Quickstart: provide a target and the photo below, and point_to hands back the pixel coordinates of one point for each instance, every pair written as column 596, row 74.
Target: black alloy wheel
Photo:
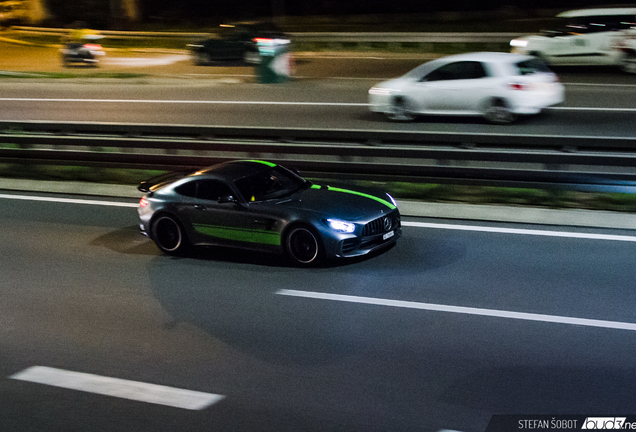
column 303, row 246
column 168, row 235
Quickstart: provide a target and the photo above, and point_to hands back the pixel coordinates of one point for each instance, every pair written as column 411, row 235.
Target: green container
column 275, row 61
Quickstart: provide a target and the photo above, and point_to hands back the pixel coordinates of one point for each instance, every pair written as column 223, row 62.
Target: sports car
column 264, row 206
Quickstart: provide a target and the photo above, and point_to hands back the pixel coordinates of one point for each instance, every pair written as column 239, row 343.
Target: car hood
column 393, row 84
column 341, row 203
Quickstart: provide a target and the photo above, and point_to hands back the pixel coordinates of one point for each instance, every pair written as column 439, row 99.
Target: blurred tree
column 37, row 12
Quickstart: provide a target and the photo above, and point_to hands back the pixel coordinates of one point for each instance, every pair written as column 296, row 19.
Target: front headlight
column 341, row 226
column 379, row 91
column 519, row 43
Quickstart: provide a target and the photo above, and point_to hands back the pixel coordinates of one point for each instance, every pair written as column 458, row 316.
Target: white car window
column 456, row 71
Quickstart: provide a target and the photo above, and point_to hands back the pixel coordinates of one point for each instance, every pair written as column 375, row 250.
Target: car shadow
column 444, row 120
column 130, row 241
column 126, row 240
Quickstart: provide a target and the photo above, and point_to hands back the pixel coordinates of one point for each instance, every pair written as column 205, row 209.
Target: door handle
column 199, row 207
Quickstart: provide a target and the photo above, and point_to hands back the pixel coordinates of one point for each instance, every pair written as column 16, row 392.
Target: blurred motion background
column 414, row 15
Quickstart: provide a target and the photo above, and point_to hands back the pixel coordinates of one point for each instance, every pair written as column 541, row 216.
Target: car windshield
column 531, row 66
column 272, row 183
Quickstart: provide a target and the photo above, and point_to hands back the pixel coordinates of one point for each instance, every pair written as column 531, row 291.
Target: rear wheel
column 498, row 112
column 200, row 58
column 303, row 246
column 628, row 63
column 399, row 110
column 252, row 57
column 168, row 235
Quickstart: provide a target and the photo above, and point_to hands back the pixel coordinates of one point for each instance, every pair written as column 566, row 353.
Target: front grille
column 382, row 224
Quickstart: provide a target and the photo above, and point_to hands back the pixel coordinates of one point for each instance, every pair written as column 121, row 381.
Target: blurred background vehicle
column 235, row 42
column 12, row 12
column 597, row 37
column 497, row 86
column 81, row 47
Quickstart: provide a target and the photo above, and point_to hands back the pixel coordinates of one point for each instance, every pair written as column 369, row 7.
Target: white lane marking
column 598, row 85
column 545, row 233
column 133, row 390
column 592, row 109
column 476, row 228
column 69, row 200
column 235, row 102
column 617, row 325
column 204, row 102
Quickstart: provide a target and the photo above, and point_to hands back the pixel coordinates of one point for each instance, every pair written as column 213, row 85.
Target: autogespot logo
column 605, row 423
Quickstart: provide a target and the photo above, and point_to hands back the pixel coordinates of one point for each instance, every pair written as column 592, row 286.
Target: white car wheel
column 498, row 112
column 399, row 110
column 628, row 63
column 252, row 57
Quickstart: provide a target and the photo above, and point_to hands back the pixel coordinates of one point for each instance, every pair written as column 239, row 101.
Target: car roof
column 482, row 56
column 597, row 12
column 493, row 57
column 234, row 170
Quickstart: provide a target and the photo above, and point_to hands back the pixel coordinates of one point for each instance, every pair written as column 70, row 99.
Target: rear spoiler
column 146, row 185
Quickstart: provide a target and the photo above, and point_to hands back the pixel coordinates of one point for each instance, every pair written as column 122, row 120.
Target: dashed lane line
column 616, row 325
column 125, row 389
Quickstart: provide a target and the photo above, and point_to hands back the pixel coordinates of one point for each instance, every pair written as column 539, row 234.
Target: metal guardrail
column 579, row 163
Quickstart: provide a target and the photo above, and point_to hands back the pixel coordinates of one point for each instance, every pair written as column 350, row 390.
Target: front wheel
column 168, row 235
column 498, row 112
column 303, row 246
column 399, row 110
column 200, row 58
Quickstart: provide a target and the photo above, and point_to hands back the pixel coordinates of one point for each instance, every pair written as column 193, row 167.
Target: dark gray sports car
column 264, row 206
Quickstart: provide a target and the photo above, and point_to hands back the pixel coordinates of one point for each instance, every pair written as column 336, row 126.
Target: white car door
column 453, row 88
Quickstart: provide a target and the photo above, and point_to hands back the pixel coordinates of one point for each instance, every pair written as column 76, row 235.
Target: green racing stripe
column 240, row 234
column 269, row 164
column 380, row 200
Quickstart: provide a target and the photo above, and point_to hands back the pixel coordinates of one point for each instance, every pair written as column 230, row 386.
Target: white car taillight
column 519, row 86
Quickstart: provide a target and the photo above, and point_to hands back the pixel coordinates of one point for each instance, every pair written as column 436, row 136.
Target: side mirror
column 227, row 199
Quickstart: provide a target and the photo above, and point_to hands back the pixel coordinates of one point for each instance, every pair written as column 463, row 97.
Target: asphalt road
column 327, row 91
column 82, row 291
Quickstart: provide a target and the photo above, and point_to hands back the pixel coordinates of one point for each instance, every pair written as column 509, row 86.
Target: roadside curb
column 408, row 208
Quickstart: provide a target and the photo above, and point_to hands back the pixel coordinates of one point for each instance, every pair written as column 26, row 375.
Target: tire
column 399, row 111
column 168, row 235
column 303, row 246
column 498, row 112
column 251, row 57
column 200, row 58
column 628, row 63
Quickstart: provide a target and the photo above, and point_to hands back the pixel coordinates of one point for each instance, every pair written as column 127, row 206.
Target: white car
column 595, row 37
column 497, row 86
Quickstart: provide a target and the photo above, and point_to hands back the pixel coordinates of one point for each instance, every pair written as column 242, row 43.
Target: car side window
column 210, row 190
column 457, row 70
column 188, row 189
